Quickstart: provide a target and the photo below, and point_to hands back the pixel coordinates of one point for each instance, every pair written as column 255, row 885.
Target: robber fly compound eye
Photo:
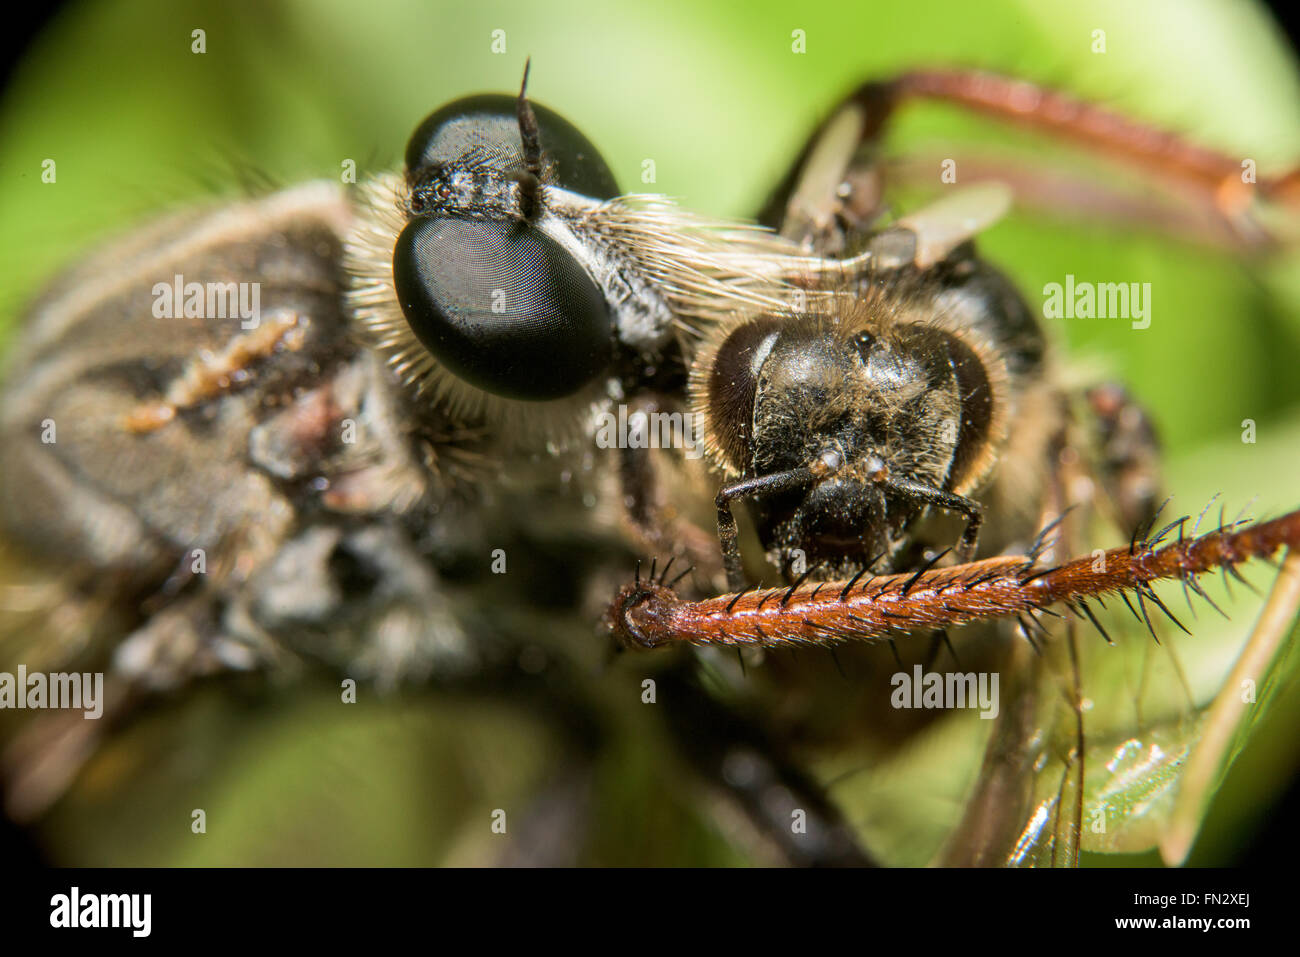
column 502, row 306
column 483, row 131
column 495, row 299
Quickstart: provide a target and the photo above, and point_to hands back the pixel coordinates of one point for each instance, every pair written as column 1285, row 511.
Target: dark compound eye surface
column 733, row 383
column 502, row 306
column 486, row 126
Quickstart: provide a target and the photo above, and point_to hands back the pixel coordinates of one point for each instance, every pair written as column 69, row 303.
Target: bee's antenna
column 530, row 179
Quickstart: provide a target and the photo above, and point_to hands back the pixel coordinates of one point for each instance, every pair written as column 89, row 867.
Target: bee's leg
column 971, row 509
column 778, row 482
column 1129, row 454
column 728, row 534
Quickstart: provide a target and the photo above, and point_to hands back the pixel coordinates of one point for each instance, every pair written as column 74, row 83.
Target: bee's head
column 487, row 276
column 882, row 414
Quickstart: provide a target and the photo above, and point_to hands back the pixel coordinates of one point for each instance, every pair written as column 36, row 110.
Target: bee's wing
column 1158, row 737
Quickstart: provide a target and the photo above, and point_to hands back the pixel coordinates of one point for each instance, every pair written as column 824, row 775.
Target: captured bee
column 381, row 463
column 923, row 384
column 845, row 428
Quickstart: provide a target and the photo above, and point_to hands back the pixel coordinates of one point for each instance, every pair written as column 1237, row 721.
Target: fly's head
column 491, row 280
column 476, row 278
column 506, row 279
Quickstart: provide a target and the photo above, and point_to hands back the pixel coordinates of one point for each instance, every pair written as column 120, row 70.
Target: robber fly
column 332, row 477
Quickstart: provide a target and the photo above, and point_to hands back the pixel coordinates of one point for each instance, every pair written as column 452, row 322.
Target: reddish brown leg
column 1159, row 152
column 817, row 205
column 649, row 615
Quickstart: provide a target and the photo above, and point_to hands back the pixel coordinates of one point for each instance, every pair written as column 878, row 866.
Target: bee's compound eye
column 502, row 306
column 729, row 382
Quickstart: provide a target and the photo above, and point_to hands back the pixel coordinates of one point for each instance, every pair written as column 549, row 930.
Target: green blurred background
column 714, row 95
